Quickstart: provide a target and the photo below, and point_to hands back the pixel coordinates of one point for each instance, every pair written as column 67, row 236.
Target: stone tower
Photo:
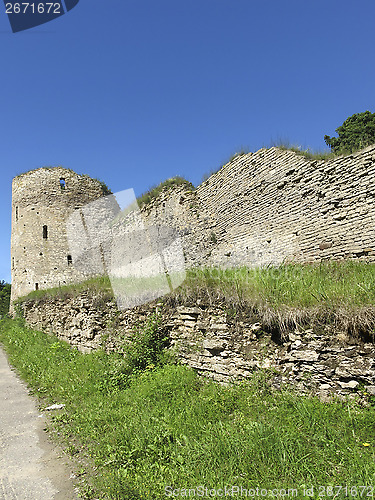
column 42, row 200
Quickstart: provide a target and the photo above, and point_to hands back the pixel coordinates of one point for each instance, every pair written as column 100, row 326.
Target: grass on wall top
column 155, row 191
column 336, row 283
column 297, row 285
column 308, row 153
column 285, row 145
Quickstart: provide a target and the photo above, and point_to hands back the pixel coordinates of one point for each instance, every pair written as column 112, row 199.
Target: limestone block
column 325, row 244
column 306, row 356
column 188, row 324
column 353, row 384
column 214, row 345
column 218, row 327
column 342, row 372
column 188, row 310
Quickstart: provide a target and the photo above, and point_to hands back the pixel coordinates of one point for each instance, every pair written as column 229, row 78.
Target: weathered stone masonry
column 42, row 200
column 274, row 205
column 216, row 344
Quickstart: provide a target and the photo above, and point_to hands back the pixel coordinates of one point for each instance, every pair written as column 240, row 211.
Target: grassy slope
column 151, row 424
column 295, row 285
column 99, row 284
column 341, row 294
column 333, row 283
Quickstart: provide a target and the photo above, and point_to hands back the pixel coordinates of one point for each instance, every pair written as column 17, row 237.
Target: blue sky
column 136, row 91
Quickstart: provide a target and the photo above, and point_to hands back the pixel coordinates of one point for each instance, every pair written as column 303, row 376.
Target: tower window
column 16, row 213
column 12, row 262
column 70, row 260
column 36, row 286
column 62, row 184
column 45, row 232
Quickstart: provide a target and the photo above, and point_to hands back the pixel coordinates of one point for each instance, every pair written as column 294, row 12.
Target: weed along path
column 29, row 465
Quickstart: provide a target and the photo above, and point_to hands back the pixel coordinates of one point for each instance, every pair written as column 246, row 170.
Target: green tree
column 357, row 132
column 4, row 297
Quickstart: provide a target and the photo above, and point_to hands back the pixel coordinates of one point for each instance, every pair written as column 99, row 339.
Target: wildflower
column 366, row 444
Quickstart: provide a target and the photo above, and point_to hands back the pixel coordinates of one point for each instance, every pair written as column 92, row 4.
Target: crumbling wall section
column 216, row 343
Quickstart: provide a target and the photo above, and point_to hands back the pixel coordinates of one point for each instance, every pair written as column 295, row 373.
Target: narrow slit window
column 36, row 286
column 70, row 260
column 16, row 214
column 12, row 262
column 45, row 232
column 62, row 184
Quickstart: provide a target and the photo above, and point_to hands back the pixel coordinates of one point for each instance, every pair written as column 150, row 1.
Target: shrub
column 357, row 132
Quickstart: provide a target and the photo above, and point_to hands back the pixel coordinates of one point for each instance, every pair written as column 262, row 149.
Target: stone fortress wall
column 42, row 200
column 273, row 206
column 261, row 208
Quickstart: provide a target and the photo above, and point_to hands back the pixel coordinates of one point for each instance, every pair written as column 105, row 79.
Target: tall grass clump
column 300, row 285
column 338, row 292
column 167, row 429
column 308, row 153
column 154, row 192
column 98, row 285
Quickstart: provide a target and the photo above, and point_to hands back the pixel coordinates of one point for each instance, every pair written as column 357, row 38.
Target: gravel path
column 30, row 468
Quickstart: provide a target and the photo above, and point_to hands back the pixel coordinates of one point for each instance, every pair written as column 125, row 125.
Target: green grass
column 334, row 283
column 146, row 424
column 98, row 284
column 340, row 294
column 308, row 153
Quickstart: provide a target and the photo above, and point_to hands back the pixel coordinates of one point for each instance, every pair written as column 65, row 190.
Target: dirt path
column 30, row 467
